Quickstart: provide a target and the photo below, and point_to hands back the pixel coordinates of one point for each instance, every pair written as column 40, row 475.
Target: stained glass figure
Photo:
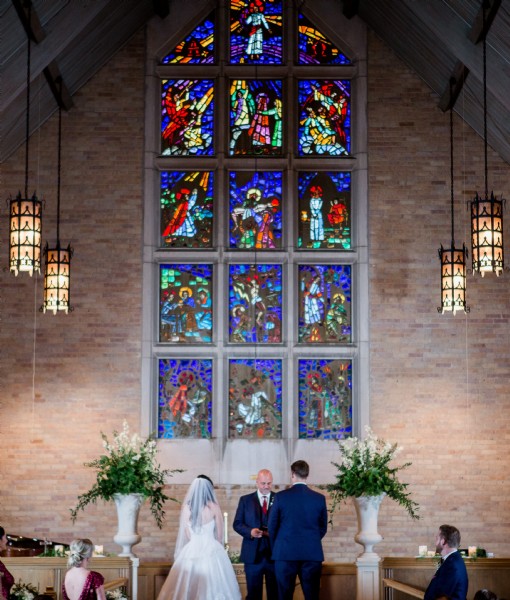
column 187, row 117
column 186, row 312
column 325, row 398
column 255, row 398
column 185, row 398
column 324, row 210
column 256, row 117
column 324, row 118
column 256, row 32
column 255, row 304
column 324, row 304
column 186, row 209
column 315, row 48
column 255, row 209
column 196, row 48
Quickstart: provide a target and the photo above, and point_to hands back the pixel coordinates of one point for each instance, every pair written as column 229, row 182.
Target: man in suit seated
column 451, row 577
column 297, row 523
column 251, row 523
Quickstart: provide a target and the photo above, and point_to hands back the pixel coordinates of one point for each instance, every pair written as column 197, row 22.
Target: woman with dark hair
column 80, row 583
column 485, row 595
column 202, row 568
column 6, row 578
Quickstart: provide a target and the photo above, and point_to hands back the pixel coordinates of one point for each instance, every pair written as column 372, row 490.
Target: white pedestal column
column 135, row 563
column 367, row 586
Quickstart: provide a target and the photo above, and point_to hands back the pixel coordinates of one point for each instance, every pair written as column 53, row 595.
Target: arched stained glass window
column 258, row 253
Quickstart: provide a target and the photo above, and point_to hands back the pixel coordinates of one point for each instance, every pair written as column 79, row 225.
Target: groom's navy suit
column 450, row 580
column 255, row 552
column 297, row 523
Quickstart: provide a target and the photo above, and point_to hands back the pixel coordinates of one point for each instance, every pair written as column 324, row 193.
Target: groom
column 251, row 523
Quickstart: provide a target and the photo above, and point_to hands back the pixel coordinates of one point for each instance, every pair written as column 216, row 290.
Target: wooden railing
column 404, row 587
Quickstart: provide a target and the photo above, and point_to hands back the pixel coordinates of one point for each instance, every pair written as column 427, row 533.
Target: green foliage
column 128, row 467
column 364, row 469
column 23, row 591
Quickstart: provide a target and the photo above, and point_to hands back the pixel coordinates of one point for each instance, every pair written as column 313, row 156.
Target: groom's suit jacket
column 297, row 523
column 249, row 516
column 450, row 580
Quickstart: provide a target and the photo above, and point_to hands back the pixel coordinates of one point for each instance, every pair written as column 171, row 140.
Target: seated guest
column 80, row 583
column 451, row 578
column 485, row 595
column 6, row 579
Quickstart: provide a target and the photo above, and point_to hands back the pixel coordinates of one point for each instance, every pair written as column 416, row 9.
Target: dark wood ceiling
column 437, row 39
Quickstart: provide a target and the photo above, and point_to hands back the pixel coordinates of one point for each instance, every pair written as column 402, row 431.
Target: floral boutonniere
column 271, row 499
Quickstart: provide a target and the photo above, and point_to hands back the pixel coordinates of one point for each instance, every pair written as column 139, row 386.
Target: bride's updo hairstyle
column 79, row 551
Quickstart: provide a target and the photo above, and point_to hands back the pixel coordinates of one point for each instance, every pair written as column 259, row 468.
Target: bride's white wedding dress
column 202, row 570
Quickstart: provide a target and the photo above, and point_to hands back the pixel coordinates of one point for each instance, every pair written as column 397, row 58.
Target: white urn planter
column 128, row 508
column 367, row 511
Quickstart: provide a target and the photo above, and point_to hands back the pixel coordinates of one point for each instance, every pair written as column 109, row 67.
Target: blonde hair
column 79, row 550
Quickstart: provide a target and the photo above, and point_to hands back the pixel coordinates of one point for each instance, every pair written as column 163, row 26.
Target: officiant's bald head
column 264, row 481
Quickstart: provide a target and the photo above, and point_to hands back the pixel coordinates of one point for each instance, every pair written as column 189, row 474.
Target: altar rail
column 338, row 581
column 44, row 572
column 489, row 573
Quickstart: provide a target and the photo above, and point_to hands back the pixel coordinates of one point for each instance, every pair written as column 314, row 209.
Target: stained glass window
column 255, row 304
column 186, row 209
column 256, row 32
column 255, row 209
column 324, row 117
column 324, row 303
column 325, row 398
column 186, row 117
column 256, row 117
column 315, row 48
column 255, row 398
column 186, row 310
column 196, row 48
column 185, row 398
column 324, row 219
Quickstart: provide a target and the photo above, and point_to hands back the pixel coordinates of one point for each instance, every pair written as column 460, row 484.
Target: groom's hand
column 256, row 533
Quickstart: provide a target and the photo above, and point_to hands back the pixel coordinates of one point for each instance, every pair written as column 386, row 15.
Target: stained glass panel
column 256, row 117
column 324, row 304
column 255, row 209
column 324, row 210
column 185, row 398
column 256, row 32
column 187, row 117
column 196, row 48
column 186, row 209
column 315, row 48
column 324, row 118
column 325, row 399
column 255, row 398
column 255, row 304
column 186, row 304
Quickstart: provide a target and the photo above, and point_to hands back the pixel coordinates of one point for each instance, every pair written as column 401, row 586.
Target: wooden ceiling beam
column 478, row 33
column 451, row 93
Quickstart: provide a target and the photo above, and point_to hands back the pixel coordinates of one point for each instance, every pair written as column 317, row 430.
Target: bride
column 202, row 569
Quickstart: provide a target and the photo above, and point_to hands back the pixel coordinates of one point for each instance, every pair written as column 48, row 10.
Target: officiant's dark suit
column 297, row 524
column 250, row 522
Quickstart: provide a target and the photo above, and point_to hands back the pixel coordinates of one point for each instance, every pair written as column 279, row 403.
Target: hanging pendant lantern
column 453, row 260
column 57, row 270
column 25, row 213
column 57, row 278
column 486, row 213
column 25, row 234
column 487, row 235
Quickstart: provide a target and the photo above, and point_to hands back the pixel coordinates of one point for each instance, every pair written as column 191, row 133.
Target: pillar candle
column 225, row 528
column 472, row 551
column 422, row 550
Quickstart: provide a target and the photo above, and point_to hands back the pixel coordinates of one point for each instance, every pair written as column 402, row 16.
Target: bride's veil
column 200, row 493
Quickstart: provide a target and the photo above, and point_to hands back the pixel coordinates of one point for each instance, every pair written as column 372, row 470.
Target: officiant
column 251, row 523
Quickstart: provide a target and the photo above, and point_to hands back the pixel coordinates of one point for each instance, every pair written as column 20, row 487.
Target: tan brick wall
column 439, row 385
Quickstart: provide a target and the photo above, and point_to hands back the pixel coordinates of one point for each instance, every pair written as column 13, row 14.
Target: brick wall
column 439, row 384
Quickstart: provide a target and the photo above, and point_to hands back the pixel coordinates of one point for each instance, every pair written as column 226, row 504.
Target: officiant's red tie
column 264, row 505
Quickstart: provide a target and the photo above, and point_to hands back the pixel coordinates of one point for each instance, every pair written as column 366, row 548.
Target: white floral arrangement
column 23, row 591
column 116, row 595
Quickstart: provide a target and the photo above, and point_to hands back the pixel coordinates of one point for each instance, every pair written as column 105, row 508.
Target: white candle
column 98, row 550
column 59, row 548
column 225, row 528
column 422, row 550
column 472, row 551
column 431, row 553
